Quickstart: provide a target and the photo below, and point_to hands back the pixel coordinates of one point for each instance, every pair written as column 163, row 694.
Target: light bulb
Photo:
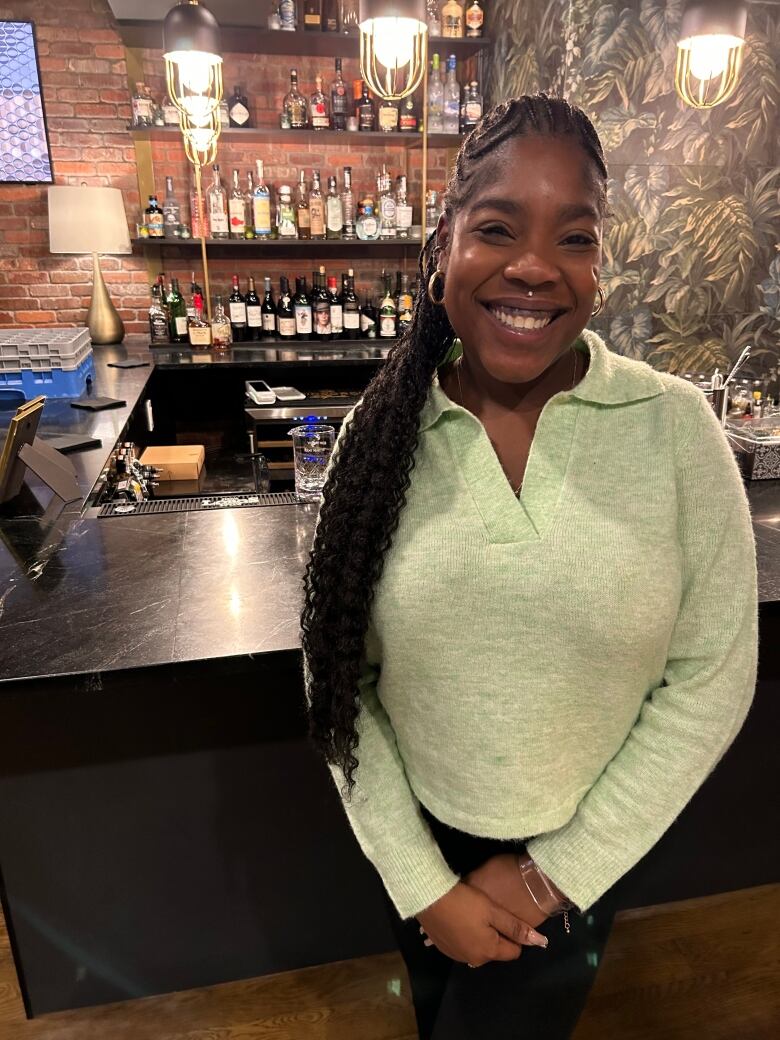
column 709, row 54
column 394, row 40
column 194, row 69
column 201, row 139
column 199, row 108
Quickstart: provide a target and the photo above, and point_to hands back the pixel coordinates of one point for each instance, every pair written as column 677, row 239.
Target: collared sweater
column 567, row 666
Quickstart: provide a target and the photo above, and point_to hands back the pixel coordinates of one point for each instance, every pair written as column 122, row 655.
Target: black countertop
column 82, row 595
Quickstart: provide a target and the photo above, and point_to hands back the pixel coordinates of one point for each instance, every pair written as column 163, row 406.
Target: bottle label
column 322, row 320
column 369, row 226
column 387, row 325
column 335, row 222
column 338, row 101
column 403, row 216
column 366, row 117
column 388, row 117
column 181, row 325
column 473, row 111
column 474, row 19
column 170, row 115
column 287, row 14
column 452, row 25
column 352, row 320
column 317, row 217
column 336, row 318
column 286, row 326
column 408, row 121
column 366, row 323
column 158, row 328
column 302, row 318
column 200, row 335
column 218, row 219
column 142, row 110
column 254, row 318
column 239, row 114
column 238, row 313
column 155, row 225
column 319, row 115
column 262, row 214
column 269, row 322
column 451, row 111
column 236, row 207
column 312, row 18
column 303, row 218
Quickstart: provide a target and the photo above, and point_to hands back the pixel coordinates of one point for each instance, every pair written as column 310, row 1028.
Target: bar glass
column 312, row 448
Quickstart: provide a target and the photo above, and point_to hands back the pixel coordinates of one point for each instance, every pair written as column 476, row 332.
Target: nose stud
column 530, row 292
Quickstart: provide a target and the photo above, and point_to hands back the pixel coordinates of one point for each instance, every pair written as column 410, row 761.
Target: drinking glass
column 312, row 448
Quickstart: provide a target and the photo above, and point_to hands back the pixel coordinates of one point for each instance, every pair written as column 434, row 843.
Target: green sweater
column 567, row 666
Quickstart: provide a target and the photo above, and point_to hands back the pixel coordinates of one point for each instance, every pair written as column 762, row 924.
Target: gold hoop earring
column 431, row 286
column 601, row 303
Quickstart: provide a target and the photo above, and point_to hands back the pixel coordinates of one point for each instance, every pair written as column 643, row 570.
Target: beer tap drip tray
column 199, row 503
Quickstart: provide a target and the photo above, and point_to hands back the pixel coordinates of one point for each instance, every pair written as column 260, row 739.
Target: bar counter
column 164, row 823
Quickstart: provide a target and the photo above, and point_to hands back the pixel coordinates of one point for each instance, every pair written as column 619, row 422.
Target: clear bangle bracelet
column 539, row 889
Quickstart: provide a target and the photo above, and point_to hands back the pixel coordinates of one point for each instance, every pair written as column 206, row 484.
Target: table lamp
column 91, row 220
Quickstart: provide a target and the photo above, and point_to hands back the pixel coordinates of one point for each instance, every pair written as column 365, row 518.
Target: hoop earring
column 431, row 287
column 601, row 303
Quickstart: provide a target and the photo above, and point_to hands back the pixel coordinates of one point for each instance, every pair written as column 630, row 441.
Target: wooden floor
column 705, row 969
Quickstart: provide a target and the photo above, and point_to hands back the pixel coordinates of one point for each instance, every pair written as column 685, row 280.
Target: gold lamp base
column 103, row 321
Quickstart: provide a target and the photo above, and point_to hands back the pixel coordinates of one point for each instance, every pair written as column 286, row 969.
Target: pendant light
column 709, row 53
column 393, row 46
column 193, row 63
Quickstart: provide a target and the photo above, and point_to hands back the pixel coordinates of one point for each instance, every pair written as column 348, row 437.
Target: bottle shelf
column 251, row 39
column 243, row 351
column 290, row 248
column 329, row 138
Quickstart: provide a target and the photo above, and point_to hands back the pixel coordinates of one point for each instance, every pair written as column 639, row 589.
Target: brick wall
column 84, row 81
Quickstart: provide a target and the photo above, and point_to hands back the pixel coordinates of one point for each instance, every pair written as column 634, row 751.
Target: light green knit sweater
column 567, row 666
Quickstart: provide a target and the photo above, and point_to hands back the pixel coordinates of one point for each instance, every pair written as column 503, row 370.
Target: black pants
column 540, row 996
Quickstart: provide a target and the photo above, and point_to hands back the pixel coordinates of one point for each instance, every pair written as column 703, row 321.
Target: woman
column 524, row 648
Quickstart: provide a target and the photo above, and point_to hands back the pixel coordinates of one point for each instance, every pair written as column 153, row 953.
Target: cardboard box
column 176, row 461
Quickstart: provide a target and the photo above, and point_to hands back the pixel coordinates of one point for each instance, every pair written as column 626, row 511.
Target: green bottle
column 177, row 313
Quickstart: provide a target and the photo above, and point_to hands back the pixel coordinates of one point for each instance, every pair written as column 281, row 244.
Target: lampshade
column 87, row 220
column 193, row 62
column 393, row 46
column 709, row 53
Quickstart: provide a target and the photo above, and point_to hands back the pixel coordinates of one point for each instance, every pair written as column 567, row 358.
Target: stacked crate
column 53, row 362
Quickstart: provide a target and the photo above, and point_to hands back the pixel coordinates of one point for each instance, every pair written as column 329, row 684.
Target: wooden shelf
column 290, row 248
column 326, row 138
column 252, row 39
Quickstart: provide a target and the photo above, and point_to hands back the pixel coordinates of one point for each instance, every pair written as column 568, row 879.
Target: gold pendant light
column 709, row 54
column 393, row 46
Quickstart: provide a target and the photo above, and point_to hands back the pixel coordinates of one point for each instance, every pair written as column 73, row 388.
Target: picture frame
column 25, row 153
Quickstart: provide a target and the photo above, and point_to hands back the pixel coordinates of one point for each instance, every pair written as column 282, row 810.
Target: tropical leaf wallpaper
column 692, row 246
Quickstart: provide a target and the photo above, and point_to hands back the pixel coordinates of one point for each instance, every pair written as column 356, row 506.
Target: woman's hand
column 500, row 879
column 468, row 926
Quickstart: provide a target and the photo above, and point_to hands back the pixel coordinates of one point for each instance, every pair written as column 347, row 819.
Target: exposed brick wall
column 84, row 81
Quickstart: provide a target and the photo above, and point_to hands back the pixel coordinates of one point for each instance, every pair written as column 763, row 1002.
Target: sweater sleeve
column 688, row 722
column 383, row 811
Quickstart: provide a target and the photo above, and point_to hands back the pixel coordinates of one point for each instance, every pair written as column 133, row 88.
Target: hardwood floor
column 704, row 969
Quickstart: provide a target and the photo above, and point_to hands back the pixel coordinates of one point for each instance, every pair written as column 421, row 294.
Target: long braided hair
column 370, row 474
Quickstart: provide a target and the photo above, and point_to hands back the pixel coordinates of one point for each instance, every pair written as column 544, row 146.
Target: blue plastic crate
column 54, row 383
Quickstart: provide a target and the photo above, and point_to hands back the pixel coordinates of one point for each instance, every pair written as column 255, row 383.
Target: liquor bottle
column 319, row 117
column 216, row 198
column 321, row 307
column 350, row 17
column 339, row 102
column 142, row 106
column 387, row 315
column 366, row 111
column 334, row 214
column 387, row 216
column 288, row 15
column 404, row 305
column 302, row 310
column 177, row 313
column 330, row 16
column 368, row 318
column 170, row 112
column 336, row 308
column 388, row 116
column 238, row 109
column 261, row 204
column 154, row 218
column 249, row 207
column 316, row 208
column 268, row 311
column 195, row 290
column 162, row 295
column 295, row 104
column 431, row 212
column 237, row 209
column 435, row 99
column 475, row 19
column 158, row 319
column 195, row 216
column 473, row 106
column 237, row 312
column 367, row 226
column 285, row 214
column 451, row 98
column 302, row 206
column 254, row 312
column 224, row 114
column 221, row 336
column 312, row 15
column 407, row 117
column 198, row 328
column 351, row 305
column 403, row 211
column 171, row 211
column 285, row 313
column 348, row 205
column 433, row 17
column 452, row 19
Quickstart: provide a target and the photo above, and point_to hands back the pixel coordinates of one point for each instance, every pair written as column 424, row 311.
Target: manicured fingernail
column 537, row 938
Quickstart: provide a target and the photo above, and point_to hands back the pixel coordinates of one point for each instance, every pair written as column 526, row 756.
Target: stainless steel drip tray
column 199, row 503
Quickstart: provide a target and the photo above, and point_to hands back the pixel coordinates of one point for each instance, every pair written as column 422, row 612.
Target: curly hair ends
column 370, row 473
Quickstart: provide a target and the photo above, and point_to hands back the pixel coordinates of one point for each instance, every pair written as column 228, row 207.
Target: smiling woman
column 518, row 696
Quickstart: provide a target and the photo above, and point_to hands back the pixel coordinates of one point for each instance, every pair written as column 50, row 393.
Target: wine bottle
column 302, row 310
column 254, row 318
column 285, row 313
column 351, row 307
column 321, row 306
column 237, row 312
column 268, row 311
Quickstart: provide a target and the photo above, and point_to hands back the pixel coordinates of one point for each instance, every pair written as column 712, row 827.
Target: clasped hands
column 488, row 916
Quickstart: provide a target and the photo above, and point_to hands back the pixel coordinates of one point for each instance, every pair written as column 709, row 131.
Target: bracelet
column 541, row 893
